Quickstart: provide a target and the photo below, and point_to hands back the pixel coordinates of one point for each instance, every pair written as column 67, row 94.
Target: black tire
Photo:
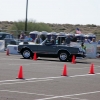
column 63, row 56
column 26, row 53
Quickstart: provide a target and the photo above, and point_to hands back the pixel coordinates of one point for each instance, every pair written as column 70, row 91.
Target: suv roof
column 4, row 33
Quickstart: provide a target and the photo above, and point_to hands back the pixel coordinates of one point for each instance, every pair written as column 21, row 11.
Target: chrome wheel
column 26, row 54
column 63, row 56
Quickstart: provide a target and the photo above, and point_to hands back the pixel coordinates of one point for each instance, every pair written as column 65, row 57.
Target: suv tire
column 63, row 56
column 26, row 53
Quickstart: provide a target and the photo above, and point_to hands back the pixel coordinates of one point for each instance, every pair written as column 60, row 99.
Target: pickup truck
column 47, row 49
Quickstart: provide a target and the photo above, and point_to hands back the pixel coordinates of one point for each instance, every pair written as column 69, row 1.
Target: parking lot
column 43, row 79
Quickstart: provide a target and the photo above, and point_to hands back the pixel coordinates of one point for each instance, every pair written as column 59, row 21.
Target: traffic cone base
column 35, row 56
column 7, row 52
column 64, row 71
column 92, row 69
column 20, row 73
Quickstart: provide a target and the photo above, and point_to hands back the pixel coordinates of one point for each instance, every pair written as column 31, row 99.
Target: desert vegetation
column 17, row 27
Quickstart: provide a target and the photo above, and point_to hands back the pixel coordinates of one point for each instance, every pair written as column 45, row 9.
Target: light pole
column 26, row 16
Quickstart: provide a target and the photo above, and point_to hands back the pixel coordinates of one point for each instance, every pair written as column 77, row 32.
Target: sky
column 52, row 11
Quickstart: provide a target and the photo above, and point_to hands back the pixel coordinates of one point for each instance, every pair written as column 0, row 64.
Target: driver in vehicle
column 52, row 42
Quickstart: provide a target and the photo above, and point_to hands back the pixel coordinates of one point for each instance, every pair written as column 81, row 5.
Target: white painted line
column 25, row 82
column 97, row 73
column 55, row 97
column 15, row 80
column 24, row 92
column 74, row 98
column 46, row 78
column 9, row 80
column 82, row 75
column 85, row 75
column 64, row 76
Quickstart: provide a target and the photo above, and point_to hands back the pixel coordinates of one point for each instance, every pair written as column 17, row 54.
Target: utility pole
column 26, row 16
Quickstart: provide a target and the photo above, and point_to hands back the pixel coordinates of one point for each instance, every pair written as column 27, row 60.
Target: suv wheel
column 26, row 53
column 63, row 56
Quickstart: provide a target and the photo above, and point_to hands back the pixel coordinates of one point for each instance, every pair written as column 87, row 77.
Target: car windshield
column 43, row 42
column 1, row 37
column 47, row 41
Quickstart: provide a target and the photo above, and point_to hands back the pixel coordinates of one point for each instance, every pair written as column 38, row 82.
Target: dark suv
column 4, row 35
column 9, row 39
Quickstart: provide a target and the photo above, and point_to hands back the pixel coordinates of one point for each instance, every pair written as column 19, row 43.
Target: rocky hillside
column 71, row 28
column 5, row 25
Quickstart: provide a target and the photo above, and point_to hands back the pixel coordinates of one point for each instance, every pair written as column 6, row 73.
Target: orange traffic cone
column 7, row 52
column 64, row 71
column 73, row 59
column 92, row 69
column 20, row 73
column 35, row 56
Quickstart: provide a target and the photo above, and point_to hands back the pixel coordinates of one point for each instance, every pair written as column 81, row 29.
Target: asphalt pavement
column 43, row 79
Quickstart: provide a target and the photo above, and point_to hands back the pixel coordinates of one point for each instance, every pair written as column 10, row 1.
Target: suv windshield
column 0, row 35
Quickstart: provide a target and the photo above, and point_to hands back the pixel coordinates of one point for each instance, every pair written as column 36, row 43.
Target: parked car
column 9, row 39
column 47, row 49
column 4, row 35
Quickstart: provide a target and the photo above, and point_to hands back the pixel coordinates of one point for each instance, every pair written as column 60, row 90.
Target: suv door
column 47, row 48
